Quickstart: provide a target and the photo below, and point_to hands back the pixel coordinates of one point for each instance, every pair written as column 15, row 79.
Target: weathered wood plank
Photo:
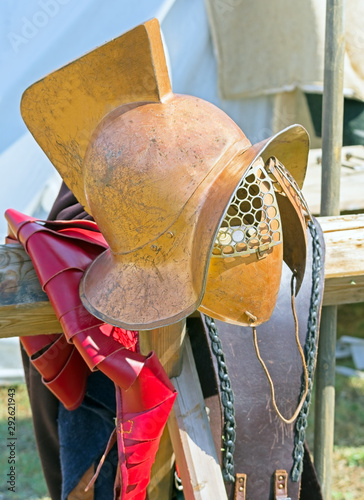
column 25, row 310
column 18, row 280
column 351, row 179
column 26, row 319
column 167, row 342
column 162, row 476
column 191, row 437
column 344, row 268
column 188, row 425
column 24, row 307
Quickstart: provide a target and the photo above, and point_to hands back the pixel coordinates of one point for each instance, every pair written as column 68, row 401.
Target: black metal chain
column 310, row 351
column 227, row 400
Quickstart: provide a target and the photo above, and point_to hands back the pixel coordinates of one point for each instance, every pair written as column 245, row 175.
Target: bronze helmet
column 162, row 175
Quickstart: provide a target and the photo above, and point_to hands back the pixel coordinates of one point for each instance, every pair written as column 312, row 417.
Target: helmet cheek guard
column 264, row 224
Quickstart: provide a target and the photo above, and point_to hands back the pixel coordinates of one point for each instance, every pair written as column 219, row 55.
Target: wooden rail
column 344, row 268
column 25, row 310
column 351, row 180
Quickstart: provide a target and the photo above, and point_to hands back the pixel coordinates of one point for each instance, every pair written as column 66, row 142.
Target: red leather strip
column 55, row 359
column 64, row 384
column 139, row 433
column 35, row 343
column 52, row 361
column 145, row 395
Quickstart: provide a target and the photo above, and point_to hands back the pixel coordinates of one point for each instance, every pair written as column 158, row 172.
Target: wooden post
column 167, row 343
column 191, row 437
column 325, row 400
column 332, row 130
column 332, row 108
column 188, row 425
column 162, row 474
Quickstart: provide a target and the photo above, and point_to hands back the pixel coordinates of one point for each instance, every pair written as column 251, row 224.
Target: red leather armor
column 60, row 252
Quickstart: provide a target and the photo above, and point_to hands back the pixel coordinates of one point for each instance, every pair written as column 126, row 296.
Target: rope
column 271, row 384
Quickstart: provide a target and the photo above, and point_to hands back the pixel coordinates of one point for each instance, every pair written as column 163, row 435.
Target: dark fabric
column 83, row 434
column 310, row 486
column 353, row 121
column 66, row 207
column 44, row 406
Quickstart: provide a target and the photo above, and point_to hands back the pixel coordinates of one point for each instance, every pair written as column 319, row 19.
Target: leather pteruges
column 60, row 251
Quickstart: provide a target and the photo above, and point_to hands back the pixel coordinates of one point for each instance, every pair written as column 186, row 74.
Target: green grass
column 350, row 320
column 30, row 484
column 348, row 455
column 349, row 411
column 348, row 473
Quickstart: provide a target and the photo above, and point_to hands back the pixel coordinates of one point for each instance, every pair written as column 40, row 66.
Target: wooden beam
column 25, row 310
column 344, row 268
column 188, row 424
column 351, row 179
column 167, row 342
column 162, row 476
column 24, row 307
column 191, row 437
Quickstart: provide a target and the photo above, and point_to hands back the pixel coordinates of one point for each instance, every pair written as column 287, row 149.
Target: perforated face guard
column 252, row 223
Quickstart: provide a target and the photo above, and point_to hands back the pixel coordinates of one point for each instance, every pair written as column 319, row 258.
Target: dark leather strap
column 263, row 442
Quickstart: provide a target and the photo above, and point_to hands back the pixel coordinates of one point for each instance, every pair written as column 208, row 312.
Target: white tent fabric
column 39, row 36
column 257, row 56
column 11, row 368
